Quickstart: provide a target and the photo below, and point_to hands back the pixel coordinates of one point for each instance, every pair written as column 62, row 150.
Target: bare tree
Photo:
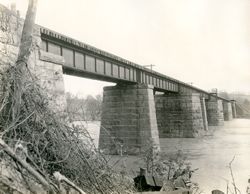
column 23, row 57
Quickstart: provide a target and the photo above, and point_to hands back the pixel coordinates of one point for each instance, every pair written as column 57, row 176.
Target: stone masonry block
column 227, row 111
column 179, row 115
column 215, row 115
column 136, row 119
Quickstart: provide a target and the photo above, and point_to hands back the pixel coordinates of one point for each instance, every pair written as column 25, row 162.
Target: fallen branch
column 232, row 175
column 60, row 178
column 26, row 166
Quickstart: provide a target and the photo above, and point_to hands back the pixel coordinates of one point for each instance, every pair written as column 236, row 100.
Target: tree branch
column 25, row 165
column 60, row 178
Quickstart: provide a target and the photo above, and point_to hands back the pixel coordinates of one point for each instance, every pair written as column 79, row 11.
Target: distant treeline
column 89, row 108
column 84, row 108
column 242, row 102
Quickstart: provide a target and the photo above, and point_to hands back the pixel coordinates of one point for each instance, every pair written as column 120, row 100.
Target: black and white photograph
column 124, row 97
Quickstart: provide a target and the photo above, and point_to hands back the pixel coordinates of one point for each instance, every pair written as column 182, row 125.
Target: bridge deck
column 87, row 61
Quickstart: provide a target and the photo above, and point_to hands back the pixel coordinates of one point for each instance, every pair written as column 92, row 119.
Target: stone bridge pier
column 233, row 104
column 180, row 115
column 215, row 114
column 227, row 111
column 133, row 118
column 128, row 121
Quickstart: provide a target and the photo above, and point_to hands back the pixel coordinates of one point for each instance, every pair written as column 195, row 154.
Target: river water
column 211, row 154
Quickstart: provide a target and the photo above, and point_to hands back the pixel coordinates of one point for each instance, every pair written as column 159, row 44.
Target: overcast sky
column 206, row 42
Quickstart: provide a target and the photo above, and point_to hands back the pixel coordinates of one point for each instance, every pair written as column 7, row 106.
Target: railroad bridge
column 133, row 114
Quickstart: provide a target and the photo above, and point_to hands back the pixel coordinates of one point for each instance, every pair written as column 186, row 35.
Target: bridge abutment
column 50, row 73
column 46, row 67
column 214, row 108
column 227, row 111
column 180, row 115
column 128, row 120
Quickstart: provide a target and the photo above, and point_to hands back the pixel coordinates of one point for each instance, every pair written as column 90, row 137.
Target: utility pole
column 151, row 66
